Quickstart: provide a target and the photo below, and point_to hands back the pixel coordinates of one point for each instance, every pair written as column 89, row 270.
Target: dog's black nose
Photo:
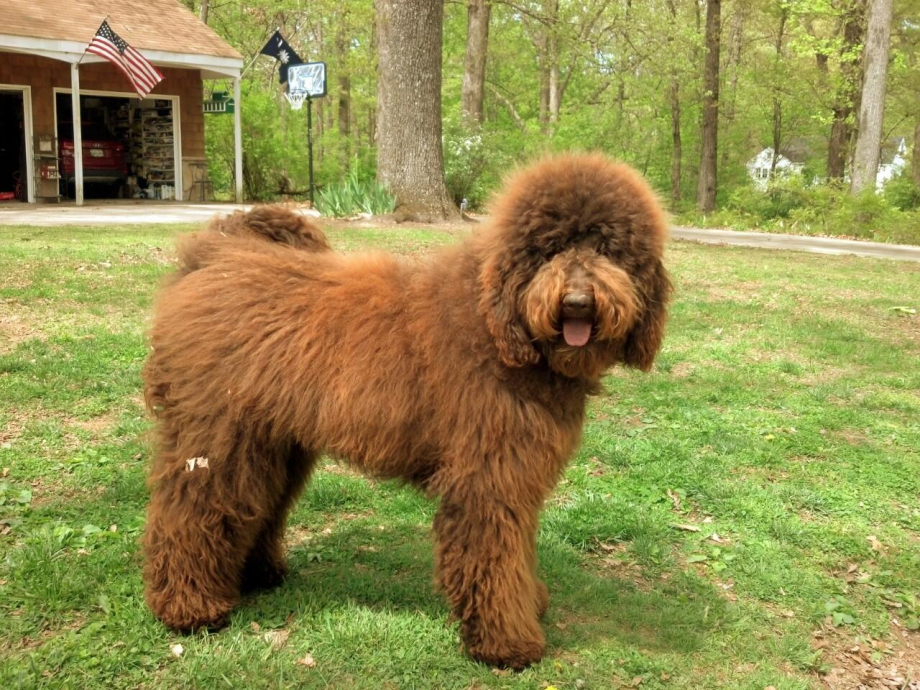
column 578, row 304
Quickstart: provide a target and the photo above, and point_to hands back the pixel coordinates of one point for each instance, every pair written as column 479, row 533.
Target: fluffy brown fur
column 465, row 374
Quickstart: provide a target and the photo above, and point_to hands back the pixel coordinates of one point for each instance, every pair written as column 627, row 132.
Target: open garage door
column 14, row 178
column 130, row 146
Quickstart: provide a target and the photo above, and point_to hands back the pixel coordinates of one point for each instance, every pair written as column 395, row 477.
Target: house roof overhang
column 211, row 67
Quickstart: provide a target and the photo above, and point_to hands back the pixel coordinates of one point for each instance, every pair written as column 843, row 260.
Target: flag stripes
column 139, row 71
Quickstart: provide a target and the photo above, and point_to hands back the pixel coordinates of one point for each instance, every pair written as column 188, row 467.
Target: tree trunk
column 706, row 188
column 344, row 95
column 474, row 66
column 732, row 68
column 872, row 103
column 915, row 162
column 203, row 10
column 551, row 9
column 410, row 160
column 676, row 143
column 777, row 102
column 677, row 147
column 842, row 128
column 544, row 99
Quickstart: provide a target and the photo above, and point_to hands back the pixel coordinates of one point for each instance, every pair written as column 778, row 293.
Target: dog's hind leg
column 266, row 565
column 485, row 567
column 204, row 516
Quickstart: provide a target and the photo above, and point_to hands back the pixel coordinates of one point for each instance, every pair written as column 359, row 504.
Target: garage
column 13, row 169
column 129, row 146
column 53, row 94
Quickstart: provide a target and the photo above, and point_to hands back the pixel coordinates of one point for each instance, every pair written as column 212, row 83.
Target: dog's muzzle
column 577, row 318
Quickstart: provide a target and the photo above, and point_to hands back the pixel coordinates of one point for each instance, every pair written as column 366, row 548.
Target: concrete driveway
column 144, row 212
column 800, row 243
column 121, row 213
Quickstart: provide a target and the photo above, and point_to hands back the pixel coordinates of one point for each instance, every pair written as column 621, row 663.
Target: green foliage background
column 616, row 62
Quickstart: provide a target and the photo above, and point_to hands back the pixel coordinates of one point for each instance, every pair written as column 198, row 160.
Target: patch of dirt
column 14, row 329
column 95, row 426
column 11, row 431
column 858, row 663
column 854, row 437
column 342, row 470
column 32, row 643
column 45, row 491
column 738, row 292
column 682, row 370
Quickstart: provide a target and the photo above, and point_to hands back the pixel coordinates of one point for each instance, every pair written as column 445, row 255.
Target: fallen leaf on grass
column 176, row 649
column 675, row 499
column 874, row 543
column 905, row 311
column 255, row 626
column 5, row 472
column 307, row 661
column 561, row 626
column 501, row 672
column 687, row 528
column 276, row 638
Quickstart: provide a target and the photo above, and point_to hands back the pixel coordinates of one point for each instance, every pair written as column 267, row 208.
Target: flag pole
column 104, row 20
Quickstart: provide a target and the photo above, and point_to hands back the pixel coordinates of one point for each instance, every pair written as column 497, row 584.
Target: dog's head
column 572, row 267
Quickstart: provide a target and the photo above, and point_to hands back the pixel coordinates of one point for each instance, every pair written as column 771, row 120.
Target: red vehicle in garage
column 104, row 160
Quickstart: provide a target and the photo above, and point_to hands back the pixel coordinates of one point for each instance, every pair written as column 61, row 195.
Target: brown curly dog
column 465, row 374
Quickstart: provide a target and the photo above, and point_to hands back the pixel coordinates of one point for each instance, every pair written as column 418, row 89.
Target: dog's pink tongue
column 577, row 332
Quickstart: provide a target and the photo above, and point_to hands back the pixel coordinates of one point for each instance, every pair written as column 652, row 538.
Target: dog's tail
column 274, row 224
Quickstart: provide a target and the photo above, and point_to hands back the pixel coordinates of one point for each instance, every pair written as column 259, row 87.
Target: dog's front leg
column 485, row 567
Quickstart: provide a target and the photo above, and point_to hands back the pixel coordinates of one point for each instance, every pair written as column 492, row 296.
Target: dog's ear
column 501, row 280
column 644, row 340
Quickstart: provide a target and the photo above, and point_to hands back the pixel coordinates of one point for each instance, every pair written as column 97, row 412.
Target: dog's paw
column 262, row 574
column 514, row 654
column 184, row 616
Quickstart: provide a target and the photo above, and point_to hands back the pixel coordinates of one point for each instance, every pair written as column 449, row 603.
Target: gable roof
column 158, row 25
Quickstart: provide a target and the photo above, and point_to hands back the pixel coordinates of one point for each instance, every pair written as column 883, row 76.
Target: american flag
column 139, row 71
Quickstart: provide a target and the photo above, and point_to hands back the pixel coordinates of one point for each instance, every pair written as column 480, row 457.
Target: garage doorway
column 14, row 133
column 131, row 147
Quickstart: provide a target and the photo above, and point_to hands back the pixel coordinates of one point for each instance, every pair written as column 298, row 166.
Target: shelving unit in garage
column 159, row 148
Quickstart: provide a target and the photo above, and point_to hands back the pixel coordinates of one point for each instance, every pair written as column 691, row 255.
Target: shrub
column 355, row 196
column 474, row 160
column 780, row 198
column 902, row 192
column 788, row 206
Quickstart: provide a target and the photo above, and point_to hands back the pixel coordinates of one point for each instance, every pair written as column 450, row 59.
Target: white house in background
column 892, row 161
column 760, row 165
column 792, row 157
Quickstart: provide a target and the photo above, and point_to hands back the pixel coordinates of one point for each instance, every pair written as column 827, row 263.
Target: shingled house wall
column 44, row 75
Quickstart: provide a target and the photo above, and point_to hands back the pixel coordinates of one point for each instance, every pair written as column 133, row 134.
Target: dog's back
column 263, row 224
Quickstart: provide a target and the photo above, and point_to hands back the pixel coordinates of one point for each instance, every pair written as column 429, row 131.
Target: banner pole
column 310, row 143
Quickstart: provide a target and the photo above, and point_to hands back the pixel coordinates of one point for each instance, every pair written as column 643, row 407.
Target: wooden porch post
column 77, row 131
column 238, row 138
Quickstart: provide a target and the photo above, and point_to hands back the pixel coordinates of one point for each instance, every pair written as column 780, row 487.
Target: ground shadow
column 392, row 571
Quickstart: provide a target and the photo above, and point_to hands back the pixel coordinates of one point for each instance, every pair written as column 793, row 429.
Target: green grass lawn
column 745, row 516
